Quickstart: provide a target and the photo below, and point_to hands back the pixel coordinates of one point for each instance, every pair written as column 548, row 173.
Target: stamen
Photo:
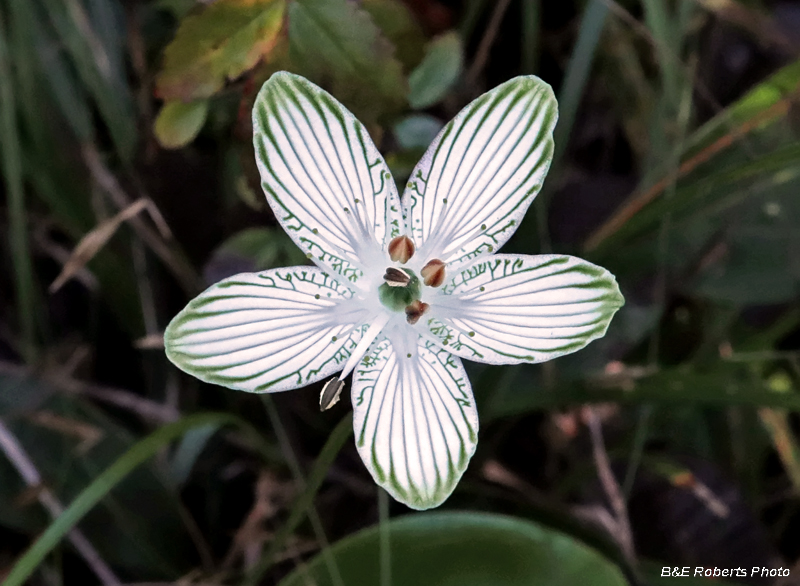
column 361, row 348
column 330, row 394
column 395, row 277
column 416, row 310
column 433, row 273
column 401, row 249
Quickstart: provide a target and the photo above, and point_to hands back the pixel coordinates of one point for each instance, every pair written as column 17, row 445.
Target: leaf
column 397, row 22
column 468, row 549
column 417, row 131
column 338, row 42
column 55, row 438
column 218, row 44
column 741, row 135
column 178, row 123
column 107, row 86
column 439, row 70
column 250, row 251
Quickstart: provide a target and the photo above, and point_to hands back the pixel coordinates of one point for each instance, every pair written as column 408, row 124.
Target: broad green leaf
column 469, row 192
column 415, row 420
column 417, row 131
column 218, row 44
column 398, row 24
column 250, row 251
column 439, row 70
column 262, row 332
column 178, row 123
column 337, row 41
column 324, row 179
column 516, row 308
column 464, row 549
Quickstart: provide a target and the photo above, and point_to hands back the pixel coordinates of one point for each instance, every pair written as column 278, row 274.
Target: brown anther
column 433, row 273
column 401, row 249
column 415, row 310
column 396, row 277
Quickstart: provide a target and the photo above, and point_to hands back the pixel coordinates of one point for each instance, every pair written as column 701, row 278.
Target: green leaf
column 178, row 123
column 399, row 25
column 417, row 131
column 468, row 549
column 250, row 251
column 439, row 70
column 336, row 40
column 218, row 44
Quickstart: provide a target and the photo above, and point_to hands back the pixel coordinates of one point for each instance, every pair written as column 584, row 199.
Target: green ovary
column 398, row 298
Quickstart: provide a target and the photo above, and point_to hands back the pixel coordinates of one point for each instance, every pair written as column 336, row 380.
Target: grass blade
column 106, row 481
column 341, row 433
column 17, row 220
column 577, row 74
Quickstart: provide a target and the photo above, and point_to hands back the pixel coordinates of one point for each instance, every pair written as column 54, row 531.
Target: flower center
column 400, row 289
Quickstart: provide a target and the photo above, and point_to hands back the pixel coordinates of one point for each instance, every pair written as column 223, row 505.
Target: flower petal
column 271, row 331
column 517, row 308
column 469, row 192
column 326, row 182
column 414, row 417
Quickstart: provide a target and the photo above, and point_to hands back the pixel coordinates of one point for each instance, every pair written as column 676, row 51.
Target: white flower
column 402, row 327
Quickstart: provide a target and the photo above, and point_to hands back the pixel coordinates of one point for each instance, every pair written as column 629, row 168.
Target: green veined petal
column 510, row 308
column 470, row 191
column 323, row 177
column 271, row 331
column 414, row 417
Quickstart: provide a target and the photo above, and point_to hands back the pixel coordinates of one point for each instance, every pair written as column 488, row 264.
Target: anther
column 330, row 393
column 415, row 310
column 433, row 273
column 401, row 249
column 395, row 277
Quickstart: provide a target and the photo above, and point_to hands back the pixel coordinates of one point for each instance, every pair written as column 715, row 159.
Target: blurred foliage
column 677, row 167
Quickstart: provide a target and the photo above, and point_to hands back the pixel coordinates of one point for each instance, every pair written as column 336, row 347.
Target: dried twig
column 482, row 54
column 93, row 242
column 182, row 271
column 611, row 487
column 145, row 408
column 21, row 461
